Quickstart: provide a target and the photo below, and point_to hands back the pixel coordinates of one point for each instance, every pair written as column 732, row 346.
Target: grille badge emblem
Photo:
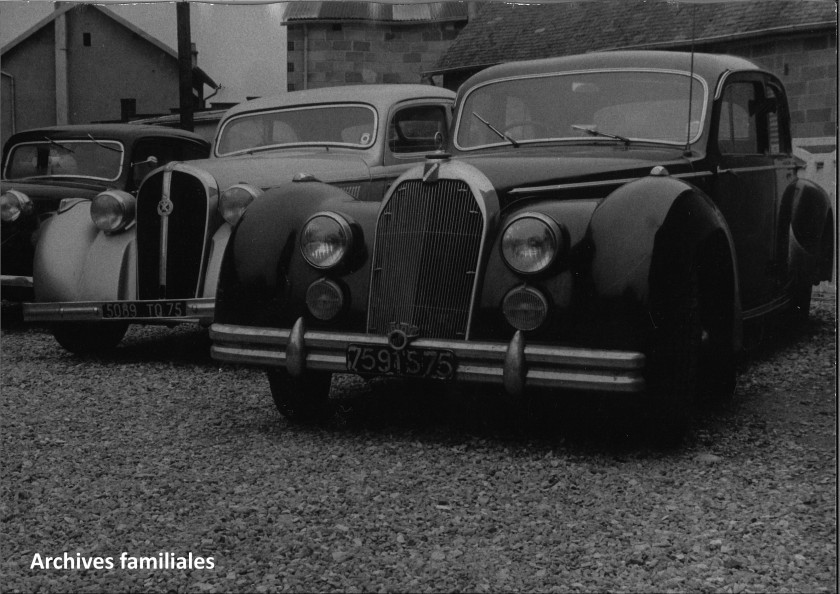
column 400, row 334
column 165, row 206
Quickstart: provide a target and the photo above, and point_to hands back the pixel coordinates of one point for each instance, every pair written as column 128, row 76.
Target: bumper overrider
column 515, row 365
column 170, row 310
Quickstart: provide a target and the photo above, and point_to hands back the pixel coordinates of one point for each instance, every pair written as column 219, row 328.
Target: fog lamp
column 112, row 210
column 234, row 201
column 525, row 308
column 13, row 204
column 531, row 242
column 325, row 299
column 325, row 240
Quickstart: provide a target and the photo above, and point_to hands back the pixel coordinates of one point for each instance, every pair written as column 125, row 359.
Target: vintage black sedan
column 44, row 166
column 603, row 223
column 117, row 260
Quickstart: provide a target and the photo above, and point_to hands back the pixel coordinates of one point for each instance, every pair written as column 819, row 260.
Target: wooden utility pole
column 185, row 86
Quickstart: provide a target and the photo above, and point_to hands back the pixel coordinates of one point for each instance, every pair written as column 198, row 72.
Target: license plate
column 119, row 310
column 410, row 362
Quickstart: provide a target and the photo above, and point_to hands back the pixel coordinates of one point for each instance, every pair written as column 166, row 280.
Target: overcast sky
column 242, row 47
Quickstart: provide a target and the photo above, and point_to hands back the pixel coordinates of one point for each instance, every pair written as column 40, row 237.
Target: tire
column 800, row 301
column 674, row 363
column 301, row 400
column 718, row 370
column 83, row 338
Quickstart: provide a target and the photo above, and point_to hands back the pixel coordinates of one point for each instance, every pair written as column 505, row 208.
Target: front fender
column 262, row 268
column 639, row 236
column 75, row 261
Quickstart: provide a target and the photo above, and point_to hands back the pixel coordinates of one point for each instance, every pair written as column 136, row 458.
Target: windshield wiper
column 59, row 145
column 499, row 133
column 105, row 146
column 592, row 132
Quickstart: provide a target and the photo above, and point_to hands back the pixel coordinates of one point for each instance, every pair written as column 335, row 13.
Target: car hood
column 265, row 170
column 530, row 167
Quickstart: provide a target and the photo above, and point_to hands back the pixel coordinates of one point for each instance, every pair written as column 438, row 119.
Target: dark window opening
column 290, row 67
column 86, row 39
column 336, row 27
column 290, row 46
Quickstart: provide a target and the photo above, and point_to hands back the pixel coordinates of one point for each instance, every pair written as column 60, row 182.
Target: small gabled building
column 338, row 43
column 84, row 63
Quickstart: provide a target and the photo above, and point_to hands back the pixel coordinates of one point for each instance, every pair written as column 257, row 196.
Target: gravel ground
column 156, row 449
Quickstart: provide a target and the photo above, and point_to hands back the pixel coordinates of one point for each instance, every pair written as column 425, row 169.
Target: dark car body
column 164, row 267
column 601, row 223
column 103, row 157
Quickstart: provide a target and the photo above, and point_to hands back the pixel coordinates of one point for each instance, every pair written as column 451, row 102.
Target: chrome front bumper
column 197, row 310
column 515, row 365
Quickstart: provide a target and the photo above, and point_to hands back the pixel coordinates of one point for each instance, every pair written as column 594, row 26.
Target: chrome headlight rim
column 232, row 207
column 345, row 230
column 557, row 236
column 110, row 219
column 10, row 213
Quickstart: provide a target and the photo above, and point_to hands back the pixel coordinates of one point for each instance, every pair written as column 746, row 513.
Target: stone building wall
column 807, row 65
column 353, row 53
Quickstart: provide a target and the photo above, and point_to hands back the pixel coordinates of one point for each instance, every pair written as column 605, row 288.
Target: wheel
column 717, row 376
column 89, row 338
column 800, row 300
column 674, row 362
column 302, row 400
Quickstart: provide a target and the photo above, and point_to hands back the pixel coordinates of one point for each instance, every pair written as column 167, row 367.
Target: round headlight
column 530, row 243
column 234, row 201
column 325, row 299
column 525, row 308
column 13, row 204
column 325, row 240
column 112, row 210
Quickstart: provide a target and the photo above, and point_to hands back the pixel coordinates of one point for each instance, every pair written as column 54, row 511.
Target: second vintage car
column 601, row 224
column 116, row 259
column 43, row 166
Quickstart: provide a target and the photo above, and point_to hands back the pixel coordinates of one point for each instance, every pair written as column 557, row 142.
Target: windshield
column 604, row 106
column 344, row 125
column 66, row 158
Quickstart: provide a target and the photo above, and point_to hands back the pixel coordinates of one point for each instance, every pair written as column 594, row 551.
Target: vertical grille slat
column 428, row 241
column 186, row 236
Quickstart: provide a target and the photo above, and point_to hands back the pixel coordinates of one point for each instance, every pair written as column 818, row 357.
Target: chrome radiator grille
column 171, row 268
column 428, row 240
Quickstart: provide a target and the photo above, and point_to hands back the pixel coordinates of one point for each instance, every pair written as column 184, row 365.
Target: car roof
column 381, row 96
column 707, row 66
column 124, row 132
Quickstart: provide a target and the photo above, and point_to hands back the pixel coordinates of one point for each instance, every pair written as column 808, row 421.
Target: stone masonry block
column 411, row 57
column 361, row 46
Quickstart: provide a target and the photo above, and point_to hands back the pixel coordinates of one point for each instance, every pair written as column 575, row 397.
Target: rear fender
column 75, row 261
column 807, row 220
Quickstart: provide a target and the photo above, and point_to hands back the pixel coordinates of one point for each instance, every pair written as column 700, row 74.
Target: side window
column 737, row 129
column 417, row 129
